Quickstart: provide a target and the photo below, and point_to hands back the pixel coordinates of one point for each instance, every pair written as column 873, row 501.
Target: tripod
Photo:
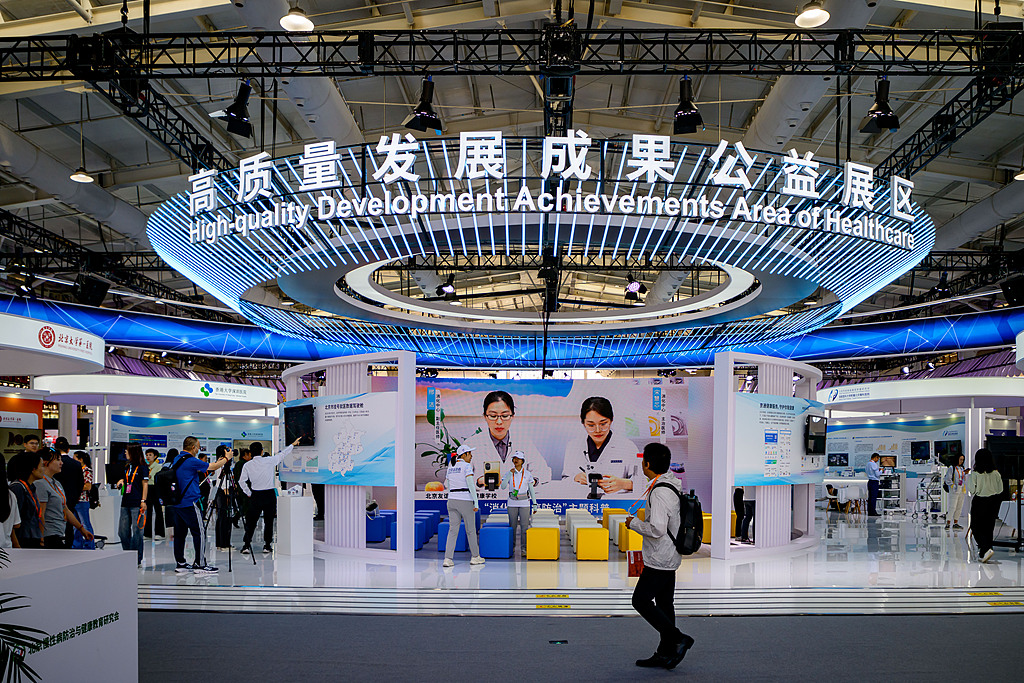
column 226, row 505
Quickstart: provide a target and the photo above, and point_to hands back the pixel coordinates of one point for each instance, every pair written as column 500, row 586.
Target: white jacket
column 663, row 515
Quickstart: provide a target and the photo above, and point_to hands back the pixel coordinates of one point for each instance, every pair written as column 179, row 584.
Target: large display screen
column 948, row 452
column 573, row 433
column 299, row 424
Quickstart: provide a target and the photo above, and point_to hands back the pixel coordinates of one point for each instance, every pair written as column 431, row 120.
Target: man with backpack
column 654, row 592
column 188, row 470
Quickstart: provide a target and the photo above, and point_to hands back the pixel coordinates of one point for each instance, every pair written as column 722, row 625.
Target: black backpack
column 691, row 521
column 167, row 488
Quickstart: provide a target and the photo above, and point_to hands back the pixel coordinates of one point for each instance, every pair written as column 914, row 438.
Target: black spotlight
column 423, row 117
column 90, row 291
column 688, row 117
column 634, row 289
column 880, row 116
column 237, row 114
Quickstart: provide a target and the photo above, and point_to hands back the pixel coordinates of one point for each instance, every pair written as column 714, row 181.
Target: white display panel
column 355, row 441
column 770, row 444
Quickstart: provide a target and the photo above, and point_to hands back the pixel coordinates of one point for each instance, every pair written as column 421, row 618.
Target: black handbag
column 94, row 497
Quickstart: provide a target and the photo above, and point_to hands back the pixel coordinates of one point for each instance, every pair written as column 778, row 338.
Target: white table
column 849, row 488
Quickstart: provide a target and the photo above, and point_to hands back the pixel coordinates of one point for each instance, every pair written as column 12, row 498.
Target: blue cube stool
column 376, row 529
column 391, row 516
column 461, row 543
column 496, row 541
column 435, row 517
column 420, row 534
column 428, row 519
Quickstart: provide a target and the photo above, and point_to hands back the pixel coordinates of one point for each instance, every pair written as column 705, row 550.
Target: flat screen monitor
column 299, row 423
column 920, row 452
column 114, row 471
column 816, row 427
column 118, row 451
column 887, row 461
column 948, row 452
column 839, row 460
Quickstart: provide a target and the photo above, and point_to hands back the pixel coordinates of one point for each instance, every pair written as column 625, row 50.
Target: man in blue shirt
column 874, row 474
column 187, row 517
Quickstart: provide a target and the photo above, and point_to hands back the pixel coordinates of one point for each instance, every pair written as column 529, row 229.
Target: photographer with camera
column 188, row 471
column 257, row 482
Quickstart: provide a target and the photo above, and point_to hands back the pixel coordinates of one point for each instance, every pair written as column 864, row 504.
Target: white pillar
column 974, row 432
column 67, row 422
column 99, row 442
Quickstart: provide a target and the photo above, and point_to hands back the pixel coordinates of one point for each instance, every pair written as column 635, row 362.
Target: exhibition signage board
column 33, row 347
column 319, row 224
column 169, row 431
column 154, row 394
column 19, row 418
column 354, row 441
column 770, row 441
column 912, row 441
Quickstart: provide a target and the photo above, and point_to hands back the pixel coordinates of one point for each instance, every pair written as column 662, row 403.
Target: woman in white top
column 985, row 484
column 462, row 505
column 498, row 443
column 602, row 451
column 519, row 482
column 954, row 482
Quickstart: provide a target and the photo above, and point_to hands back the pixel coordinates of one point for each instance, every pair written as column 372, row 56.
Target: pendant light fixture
column 81, row 175
column 296, row 19
column 423, row 117
column 812, row 15
column 687, row 117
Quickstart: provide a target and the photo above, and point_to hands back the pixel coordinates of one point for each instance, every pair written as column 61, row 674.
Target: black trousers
column 748, row 517
column 265, row 503
column 653, row 600
column 223, row 528
column 984, row 510
column 154, row 514
column 872, row 496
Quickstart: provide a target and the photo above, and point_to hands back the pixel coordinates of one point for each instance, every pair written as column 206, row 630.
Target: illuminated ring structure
column 328, row 264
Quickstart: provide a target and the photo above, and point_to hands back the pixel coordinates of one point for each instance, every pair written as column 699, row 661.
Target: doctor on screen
column 499, row 441
column 601, row 451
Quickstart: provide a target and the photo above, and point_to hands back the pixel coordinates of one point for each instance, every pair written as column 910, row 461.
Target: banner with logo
column 544, row 422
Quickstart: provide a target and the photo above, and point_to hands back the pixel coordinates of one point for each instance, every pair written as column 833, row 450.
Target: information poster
column 911, row 440
column 354, row 441
column 163, row 432
column 770, row 447
column 19, row 418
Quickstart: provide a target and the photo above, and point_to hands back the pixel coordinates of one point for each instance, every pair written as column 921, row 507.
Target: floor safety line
column 578, row 602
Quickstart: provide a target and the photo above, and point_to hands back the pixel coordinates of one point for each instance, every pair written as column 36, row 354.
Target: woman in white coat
column 602, row 452
column 498, row 442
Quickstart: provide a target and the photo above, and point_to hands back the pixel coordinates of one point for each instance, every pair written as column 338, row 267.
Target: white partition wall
column 779, row 510
column 345, row 513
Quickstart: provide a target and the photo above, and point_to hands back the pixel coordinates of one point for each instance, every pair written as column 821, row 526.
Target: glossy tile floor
column 890, row 560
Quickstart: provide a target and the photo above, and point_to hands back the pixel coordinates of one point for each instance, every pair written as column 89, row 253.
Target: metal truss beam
column 508, row 51
column 93, row 261
column 57, row 251
column 995, row 268
column 985, row 95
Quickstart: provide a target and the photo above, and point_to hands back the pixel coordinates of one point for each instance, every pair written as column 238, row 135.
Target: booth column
column 67, row 422
column 974, row 431
column 99, row 444
column 345, row 514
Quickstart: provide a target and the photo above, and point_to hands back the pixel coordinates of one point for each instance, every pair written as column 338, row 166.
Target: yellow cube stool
column 591, row 543
column 542, row 543
column 629, row 539
column 608, row 512
column 705, row 536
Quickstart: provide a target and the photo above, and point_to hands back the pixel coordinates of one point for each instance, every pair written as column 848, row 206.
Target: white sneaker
column 988, row 555
column 477, row 560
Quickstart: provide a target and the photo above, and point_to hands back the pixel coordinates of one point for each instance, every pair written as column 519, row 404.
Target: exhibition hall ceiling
column 70, row 121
